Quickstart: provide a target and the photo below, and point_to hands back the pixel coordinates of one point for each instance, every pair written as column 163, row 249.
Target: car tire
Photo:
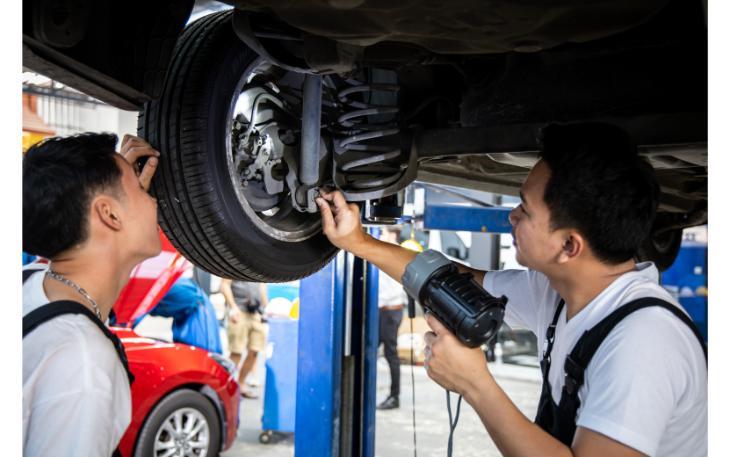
column 662, row 248
column 191, row 405
column 199, row 207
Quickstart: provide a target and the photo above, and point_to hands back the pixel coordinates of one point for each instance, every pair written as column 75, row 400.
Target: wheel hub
column 262, row 147
column 185, row 432
column 258, row 153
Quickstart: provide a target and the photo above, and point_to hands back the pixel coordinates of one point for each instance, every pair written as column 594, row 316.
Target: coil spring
column 367, row 168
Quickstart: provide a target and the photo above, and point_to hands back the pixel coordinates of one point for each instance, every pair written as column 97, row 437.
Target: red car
column 184, row 399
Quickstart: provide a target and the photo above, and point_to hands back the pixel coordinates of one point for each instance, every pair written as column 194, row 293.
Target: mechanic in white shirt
column 587, row 205
column 85, row 208
column 392, row 299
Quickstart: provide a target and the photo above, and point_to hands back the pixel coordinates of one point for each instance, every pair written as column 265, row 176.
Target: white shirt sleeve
column 635, row 410
column 527, row 292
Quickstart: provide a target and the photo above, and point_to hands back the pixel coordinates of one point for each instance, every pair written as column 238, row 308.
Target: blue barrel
column 280, row 391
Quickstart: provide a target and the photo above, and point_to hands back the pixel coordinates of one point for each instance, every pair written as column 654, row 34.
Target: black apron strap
column 28, row 273
column 590, row 341
column 54, row 309
column 560, row 420
column 550, row 339
column 586, row 347
column 547, row 416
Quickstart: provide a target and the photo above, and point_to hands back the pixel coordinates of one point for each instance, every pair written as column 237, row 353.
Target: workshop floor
column 393, row 429
column 394, row 432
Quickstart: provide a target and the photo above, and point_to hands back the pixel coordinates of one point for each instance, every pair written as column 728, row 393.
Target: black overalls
column 44, row 313
column 559, row 419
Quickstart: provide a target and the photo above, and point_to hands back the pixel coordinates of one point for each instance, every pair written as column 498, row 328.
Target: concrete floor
column 394, row 431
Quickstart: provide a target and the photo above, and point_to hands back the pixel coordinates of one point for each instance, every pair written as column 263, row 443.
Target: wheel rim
column 281, row 221
column 184, row 433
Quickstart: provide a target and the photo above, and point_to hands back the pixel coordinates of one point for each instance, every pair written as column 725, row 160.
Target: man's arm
column 464, row 370
column 264, row 296
column 230, row 301
column 341, row 224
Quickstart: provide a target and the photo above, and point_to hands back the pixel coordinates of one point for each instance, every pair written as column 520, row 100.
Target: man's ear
column 573, row 245
column 107, row 211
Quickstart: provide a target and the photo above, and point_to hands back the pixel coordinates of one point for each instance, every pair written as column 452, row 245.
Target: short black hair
column 61, row 175
column 600, row 186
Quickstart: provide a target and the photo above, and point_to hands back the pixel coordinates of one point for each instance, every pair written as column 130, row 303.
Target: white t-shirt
column 646, row 386
column 76, row 399
column 390, row 292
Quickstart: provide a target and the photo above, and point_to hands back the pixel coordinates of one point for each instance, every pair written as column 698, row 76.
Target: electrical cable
column 452, row 425
column 413, row 393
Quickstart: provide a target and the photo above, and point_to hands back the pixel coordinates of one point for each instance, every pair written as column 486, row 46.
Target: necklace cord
column 64, row 280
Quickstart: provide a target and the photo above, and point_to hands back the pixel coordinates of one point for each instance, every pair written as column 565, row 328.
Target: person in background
column 245, row 302
column 392, row 299
column 193, row 316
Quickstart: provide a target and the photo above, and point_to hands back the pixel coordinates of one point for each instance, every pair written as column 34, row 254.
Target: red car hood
column 133, row 342
column 149, row 282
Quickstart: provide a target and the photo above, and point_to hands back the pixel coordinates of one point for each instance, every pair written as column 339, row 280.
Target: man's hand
column 234, row 314
column 452, row 365
column 133, row 148
column 341, row 222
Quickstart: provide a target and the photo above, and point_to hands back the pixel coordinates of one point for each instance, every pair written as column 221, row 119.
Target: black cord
column 413, row 395
column 452, row 425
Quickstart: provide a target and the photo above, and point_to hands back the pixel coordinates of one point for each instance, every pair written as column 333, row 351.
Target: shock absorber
column 368, row 162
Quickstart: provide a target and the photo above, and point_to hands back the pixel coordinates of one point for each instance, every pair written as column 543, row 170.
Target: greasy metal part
column 311, row 126
column 326, row 56
column 263, row 155
column 105, row 49
column 63, row 23
column 244, row 31
column 478, row 140
column 461, row 26
column 651, row 132
column 387, row 210
column 368, row 161
column 302, row 197
column 56, row 65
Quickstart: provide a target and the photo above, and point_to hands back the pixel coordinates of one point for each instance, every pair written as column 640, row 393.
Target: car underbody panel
column 443, row 92
column 460, row 26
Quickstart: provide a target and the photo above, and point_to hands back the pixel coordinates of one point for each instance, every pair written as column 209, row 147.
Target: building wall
column 68, row 117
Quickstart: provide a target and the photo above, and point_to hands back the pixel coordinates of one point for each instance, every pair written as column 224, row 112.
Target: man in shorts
column 245, row 302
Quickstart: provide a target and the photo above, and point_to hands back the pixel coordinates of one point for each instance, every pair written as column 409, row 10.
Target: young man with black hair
column 586, row 206
column 87, row 210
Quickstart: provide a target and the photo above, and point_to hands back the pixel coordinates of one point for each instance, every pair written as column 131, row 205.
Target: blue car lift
column 492, row 219
column 338, row 344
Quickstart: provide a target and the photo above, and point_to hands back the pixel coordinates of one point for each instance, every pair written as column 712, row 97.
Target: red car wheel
column 183, row 423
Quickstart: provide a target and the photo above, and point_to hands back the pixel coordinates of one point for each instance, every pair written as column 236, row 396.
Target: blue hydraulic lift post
column 337, row 356
column 372, row 341
column 319, row 364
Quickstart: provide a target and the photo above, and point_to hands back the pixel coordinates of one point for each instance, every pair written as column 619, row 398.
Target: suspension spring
column 364, row 160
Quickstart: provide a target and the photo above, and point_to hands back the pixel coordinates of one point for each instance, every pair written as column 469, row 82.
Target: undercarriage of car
column 257, row 107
